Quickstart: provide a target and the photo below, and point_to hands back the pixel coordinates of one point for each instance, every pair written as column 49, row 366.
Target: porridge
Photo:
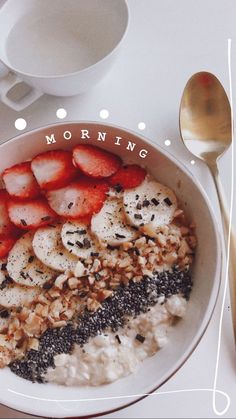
column 95, row 267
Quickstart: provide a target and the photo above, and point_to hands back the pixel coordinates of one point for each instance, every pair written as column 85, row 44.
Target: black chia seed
column 81, row 231
column 119, row 236
column 155, row 201
column 140, row 338
column 130, row 300
column 168, row 202
column 79, row 244
column 70, row 243
column 146, row 203
column 95, row 254
column 118, row 339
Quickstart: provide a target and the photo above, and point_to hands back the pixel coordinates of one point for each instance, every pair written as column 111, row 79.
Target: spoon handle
column 230, row 238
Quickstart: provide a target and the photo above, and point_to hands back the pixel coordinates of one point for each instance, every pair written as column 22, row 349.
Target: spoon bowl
column 205, row 117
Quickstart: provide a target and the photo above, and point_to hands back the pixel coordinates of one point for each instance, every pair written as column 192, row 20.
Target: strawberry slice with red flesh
column 54, row 169
column 6, row 244
column 30, row 214
column 129, row 176
column 20, row 181
column 95, row 162
column 6, row 226
column 78, row 200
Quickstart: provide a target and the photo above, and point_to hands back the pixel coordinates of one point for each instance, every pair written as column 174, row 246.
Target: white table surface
column 168, row 41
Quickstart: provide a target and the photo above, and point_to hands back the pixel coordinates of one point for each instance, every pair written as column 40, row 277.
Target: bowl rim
column 19, row 405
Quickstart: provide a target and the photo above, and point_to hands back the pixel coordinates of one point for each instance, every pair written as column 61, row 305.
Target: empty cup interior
column 50, row 38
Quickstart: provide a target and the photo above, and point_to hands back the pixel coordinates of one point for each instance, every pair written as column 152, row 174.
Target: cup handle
column 7, row 81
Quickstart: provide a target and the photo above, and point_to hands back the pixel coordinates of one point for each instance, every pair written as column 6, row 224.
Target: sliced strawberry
column 95, row 162
column 129, row 176
column 6, row 226
column 54, row 169
column 30, row 214
column 80, row 199
column 6, row 244
column 20, row 181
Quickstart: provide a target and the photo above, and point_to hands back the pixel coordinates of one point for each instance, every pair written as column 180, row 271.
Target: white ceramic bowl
column 57, row 401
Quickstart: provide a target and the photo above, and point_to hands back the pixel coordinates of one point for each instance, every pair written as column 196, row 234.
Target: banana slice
column 110, row 225
column 24, row 267
column 48, row 247
column 16, row 295
column 77, row 238
column 151, row 203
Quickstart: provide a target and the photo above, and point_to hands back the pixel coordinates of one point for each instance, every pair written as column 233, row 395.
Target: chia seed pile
column 130, row 300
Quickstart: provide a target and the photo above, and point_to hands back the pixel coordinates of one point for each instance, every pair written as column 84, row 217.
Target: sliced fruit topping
column 24, row 267
column 6, row 226
column 150, row 204
column 79, row 199
column 110, row 225
column 31, row 214
column 53, row 169
column 17, row 296
column 6, row 243
column 20, row 181
column 78, row 239
column 48, row 248
column 95, row 162
column 129, row 176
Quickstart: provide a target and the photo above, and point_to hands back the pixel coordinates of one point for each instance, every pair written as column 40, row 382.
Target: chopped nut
column 33, row 344
column 32, row 326
column 42, row 299
column 79, row 269
column 56, row 308
column 60, row 280
column 123, row 263
column 149, row 230
column 73, row 283
column 5, row 356
column 161, row 239
column 142, row 260
column 54, row 293
column 91, row 279
column 127, row 245
column 183, row 249
column 96, row 265
column 60, row 323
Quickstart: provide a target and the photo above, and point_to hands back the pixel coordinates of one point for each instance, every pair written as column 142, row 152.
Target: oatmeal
column 95, row 267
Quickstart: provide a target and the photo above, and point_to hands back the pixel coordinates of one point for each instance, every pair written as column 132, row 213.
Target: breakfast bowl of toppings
column 109, row 269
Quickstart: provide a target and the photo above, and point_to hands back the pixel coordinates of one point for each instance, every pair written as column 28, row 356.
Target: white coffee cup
column 58, row 47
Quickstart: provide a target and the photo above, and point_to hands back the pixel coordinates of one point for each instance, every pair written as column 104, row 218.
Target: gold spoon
column 206, row 130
